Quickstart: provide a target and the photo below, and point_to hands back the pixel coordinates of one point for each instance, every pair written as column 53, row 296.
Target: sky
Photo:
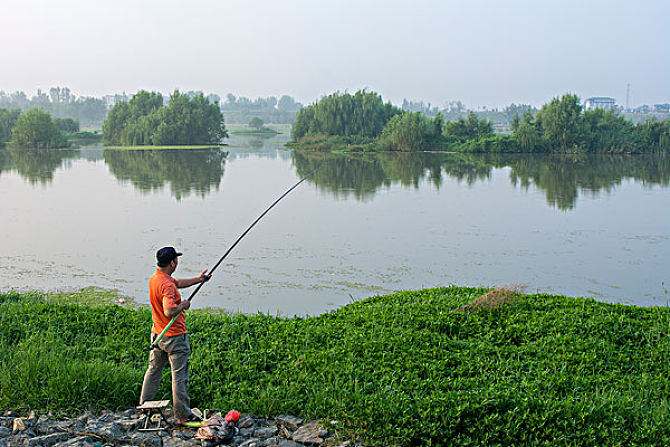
column 484, row 53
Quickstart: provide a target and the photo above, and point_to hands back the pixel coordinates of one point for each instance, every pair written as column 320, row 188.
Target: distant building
column 600, row 102
column 662, row 108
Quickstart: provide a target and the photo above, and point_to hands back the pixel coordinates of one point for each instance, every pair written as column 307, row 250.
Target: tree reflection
column 186, row 171
column 35, row 165
column 363, row 175
column 562, row 178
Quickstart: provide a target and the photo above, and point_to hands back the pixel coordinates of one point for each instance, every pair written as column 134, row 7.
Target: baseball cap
column 165, row 255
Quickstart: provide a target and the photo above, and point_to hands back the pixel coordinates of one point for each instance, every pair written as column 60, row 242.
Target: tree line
column 186, row 119
column 362, row 121
column 60, row 102
column 241, row 110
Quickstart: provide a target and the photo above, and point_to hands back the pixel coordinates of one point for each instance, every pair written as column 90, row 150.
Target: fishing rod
column 167, row 327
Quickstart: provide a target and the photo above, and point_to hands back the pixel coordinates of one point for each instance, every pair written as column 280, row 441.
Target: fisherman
column 174, row 346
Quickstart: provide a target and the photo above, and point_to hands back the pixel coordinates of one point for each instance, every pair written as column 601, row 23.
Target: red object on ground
column 233, row 416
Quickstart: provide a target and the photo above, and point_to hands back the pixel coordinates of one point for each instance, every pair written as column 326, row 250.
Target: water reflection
column 560, row 177
column 35, row 165
column 186, row 171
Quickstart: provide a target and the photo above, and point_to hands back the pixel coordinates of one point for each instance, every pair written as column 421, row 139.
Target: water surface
column 589, row 226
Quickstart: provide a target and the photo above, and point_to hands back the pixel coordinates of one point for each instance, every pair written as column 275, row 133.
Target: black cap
column 165, row 255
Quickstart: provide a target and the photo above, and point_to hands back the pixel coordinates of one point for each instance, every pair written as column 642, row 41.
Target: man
column 174, row 346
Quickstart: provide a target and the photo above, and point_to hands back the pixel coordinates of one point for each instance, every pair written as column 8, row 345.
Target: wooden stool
column 153, row 412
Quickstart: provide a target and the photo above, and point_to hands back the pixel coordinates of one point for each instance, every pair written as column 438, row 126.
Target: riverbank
column 408, row 368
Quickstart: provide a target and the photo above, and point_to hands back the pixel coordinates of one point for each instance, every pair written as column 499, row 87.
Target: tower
column 628, row 97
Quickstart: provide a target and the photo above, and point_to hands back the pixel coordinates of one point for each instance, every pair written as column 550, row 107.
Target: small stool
column 153, row 412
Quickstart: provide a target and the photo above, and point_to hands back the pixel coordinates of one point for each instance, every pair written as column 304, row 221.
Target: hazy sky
column 481, row 52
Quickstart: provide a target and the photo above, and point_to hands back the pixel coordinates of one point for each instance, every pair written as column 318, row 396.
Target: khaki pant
column 175, row 350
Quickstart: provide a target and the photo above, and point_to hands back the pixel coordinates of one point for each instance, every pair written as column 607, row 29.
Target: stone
column 18, row 425
column 20, row 440
column 145, row 439
column 290, row 422
column 253, row 442
column 129, row 424
column 48, row 440
column 107, row 431
column 289, row 443
column 310, row 433
column 246, row 432
column 265, row 432
column 5, row 432
column 179, row 442
column 269, row 441
column 6, row 421
column 129, row 413
column 246, row 422
column 10, row 414
column 79, row 441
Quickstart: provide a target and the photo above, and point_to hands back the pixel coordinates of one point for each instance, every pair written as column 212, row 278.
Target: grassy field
column 404, row 369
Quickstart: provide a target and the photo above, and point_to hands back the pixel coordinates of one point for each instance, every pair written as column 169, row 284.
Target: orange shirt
column 163, row 294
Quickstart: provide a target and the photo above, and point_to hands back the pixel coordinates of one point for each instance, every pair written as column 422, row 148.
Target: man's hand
column 184, row 305
column 204, row 277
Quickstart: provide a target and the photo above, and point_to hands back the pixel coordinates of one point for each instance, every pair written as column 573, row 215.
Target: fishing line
column 211, row 272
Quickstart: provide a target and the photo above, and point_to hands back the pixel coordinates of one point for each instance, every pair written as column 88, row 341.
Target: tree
column 469, row 128
column 363, row 114
column 7, row 121
column 67, row 125
column 188, row 118
column 561, row 122
column 527, row 133
column 35, row 129
column 256, row 123
column 411, row 131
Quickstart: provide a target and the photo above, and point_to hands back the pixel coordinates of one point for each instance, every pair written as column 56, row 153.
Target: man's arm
column 188, row 282
column 170, row 312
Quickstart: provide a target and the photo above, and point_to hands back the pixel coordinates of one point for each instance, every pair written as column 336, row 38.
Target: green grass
column 401, row 369
column 157, row 148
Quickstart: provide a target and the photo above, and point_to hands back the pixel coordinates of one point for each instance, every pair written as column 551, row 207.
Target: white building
column 600, row 102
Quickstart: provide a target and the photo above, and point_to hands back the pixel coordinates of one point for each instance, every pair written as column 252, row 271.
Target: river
column 594, row 226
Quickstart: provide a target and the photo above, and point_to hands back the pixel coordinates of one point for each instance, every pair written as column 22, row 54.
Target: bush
column 411, row 131
column 35, row 129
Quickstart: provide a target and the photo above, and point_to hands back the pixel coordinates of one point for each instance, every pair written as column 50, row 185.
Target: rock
column 265, row 432
column 48, row 440
column 10, row 414
column 108, row 432
column 310, row 433
column 80, row 423
column 288, row 443
column 129, row 424
column 253, row 442
column 246, row 432
column 18, row 425
column 246, row 422
column 145, row 439
column 179, row 442
column 20, row 440
column 5, row 432
column 32, row 417
column 129, row 413
column 6, row 421
column 269, row 442
column 290, row 422
column 79, row 441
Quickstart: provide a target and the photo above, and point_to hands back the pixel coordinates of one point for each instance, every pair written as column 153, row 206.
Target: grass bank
column 403, row 369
